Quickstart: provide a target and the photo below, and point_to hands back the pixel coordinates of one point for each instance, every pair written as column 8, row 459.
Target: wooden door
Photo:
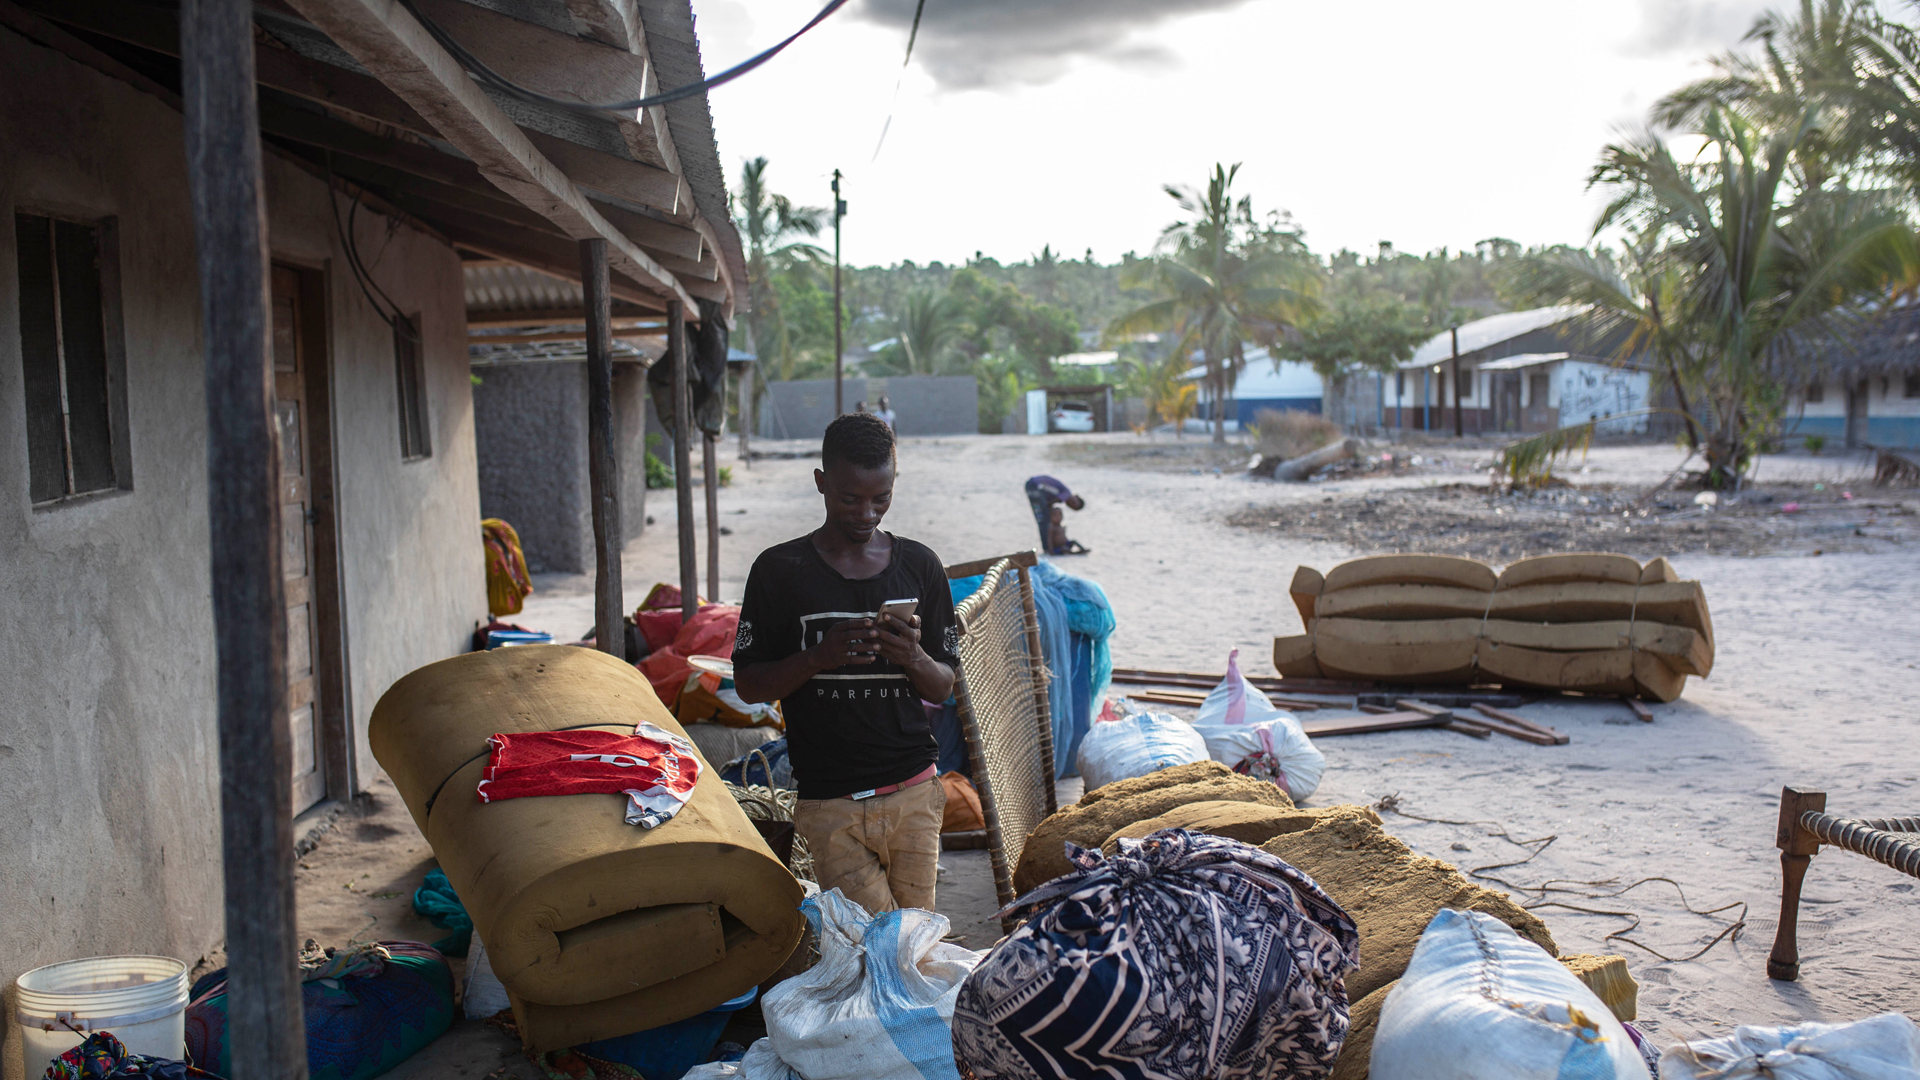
column 296, row 531
column 1508, row 407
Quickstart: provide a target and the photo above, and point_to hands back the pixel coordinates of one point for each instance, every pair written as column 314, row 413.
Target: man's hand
column 849, row 643
column 899, row 642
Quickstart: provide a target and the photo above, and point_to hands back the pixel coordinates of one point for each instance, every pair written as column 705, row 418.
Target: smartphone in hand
column 901, row 609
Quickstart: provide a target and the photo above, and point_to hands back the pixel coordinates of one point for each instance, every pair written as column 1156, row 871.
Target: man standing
column 850, row 679
column 886, row 412
column 1043, row 492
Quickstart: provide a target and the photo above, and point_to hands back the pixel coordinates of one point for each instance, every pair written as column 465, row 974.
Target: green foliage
column 1529, row 462
column 806, row 314
column 659, row 473
column 726, row 476
column 1816, row 443
column 1359, row 329
column 1003, row 385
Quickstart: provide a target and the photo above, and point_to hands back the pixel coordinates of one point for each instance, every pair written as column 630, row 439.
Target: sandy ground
column 1819, row 662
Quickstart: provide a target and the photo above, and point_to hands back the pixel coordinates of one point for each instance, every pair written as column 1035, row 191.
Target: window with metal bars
column 73, row 367
column 410, row 371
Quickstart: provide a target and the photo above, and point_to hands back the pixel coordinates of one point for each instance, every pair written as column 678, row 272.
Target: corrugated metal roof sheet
column 625, row 350
column 502, row 287
column 1524, row 360
column 1492, row 330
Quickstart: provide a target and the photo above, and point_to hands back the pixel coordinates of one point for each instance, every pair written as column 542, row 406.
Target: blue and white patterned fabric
column 1183, row 957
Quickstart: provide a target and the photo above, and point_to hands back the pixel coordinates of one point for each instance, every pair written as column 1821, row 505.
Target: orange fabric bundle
column 963, row 805
column 508, row 583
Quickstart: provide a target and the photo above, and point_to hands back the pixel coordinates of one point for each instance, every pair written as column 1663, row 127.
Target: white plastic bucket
column 141, row 999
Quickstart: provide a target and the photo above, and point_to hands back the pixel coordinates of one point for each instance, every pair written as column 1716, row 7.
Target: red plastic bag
column 709, row 633
column 658, row 627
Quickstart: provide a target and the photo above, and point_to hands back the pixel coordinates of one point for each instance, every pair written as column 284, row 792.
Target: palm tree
column 1220, row 281
column 773, row 228
column 1733, row 272
column 1815, row 57
column 928, row 327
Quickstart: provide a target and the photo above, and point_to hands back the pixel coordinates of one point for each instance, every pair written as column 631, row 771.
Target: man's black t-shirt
column 860, row 726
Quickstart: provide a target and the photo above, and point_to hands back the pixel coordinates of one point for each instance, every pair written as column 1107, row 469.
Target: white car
column 1072, row 416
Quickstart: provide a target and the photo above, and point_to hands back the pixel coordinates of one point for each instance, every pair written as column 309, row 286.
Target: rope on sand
column 1584, row 890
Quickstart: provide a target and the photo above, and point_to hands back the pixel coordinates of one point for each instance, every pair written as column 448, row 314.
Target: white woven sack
column 1480, row 1002
column 1884, row 1047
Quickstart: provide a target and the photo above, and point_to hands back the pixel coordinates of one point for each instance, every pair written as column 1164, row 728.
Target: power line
column 486, row 76
column 912, row 35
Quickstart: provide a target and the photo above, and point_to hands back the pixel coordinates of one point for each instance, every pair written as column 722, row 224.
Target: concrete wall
column 922, row 404
column 1588, row 391
column 530, row 423
column 108, row 747
column 1893, row 418
column 531, row 426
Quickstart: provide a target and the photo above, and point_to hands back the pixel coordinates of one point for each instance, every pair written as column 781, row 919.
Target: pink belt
column 920, row 777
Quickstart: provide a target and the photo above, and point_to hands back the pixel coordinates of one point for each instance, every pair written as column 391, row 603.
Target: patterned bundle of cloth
column 1184, row 956
column 102, row 1057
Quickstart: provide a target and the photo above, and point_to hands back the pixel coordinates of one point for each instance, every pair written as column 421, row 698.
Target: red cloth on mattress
column 583, row 762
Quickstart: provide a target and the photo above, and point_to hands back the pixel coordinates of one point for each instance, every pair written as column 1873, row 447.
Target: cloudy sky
column 1029, row 122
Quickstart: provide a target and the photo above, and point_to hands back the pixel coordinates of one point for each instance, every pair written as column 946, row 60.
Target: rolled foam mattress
column 596, row 928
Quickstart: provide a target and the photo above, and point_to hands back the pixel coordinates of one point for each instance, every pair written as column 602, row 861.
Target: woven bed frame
column 1804, row 826
column 1002, row 694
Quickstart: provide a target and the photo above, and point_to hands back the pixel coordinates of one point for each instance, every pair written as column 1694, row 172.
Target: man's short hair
column 860, row 439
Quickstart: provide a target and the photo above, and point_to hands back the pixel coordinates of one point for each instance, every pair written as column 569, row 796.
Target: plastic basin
column 142, row 1000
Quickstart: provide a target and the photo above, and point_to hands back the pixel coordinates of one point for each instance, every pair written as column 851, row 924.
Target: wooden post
column 683, row 456
column 267, row 1035
column 746, row 415
column 1459, row 430
column 711, row 468
column 603, row 462
column 1797, row 848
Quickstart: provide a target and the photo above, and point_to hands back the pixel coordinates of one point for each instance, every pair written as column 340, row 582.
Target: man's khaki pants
column 882, row 852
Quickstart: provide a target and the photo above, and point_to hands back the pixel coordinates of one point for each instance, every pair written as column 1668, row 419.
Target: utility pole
column 839, row 211
column 1459, row 429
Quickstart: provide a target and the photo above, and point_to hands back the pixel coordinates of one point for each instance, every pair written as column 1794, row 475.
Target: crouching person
column 850, row 677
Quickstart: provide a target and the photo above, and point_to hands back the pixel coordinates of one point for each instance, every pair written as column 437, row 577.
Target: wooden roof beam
column 558, row 65
column 446, row 173
column 648, row 181
column 615, row 22
column 398, row 50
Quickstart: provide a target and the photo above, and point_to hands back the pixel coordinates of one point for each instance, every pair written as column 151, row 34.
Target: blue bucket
column 667, row 1052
